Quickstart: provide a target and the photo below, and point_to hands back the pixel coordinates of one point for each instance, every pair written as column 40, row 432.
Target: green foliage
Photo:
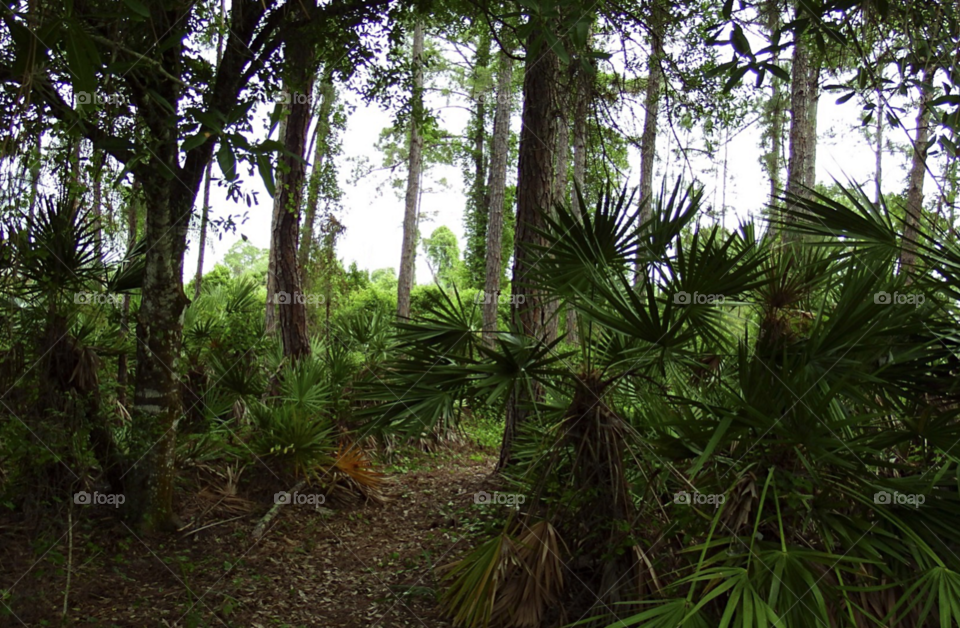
column 781, row 449
column 244, row 258
column 299, row 440
column 443, row 256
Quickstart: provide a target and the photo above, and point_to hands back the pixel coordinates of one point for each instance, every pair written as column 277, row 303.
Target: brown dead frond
column 354, row 470
column 533, row 583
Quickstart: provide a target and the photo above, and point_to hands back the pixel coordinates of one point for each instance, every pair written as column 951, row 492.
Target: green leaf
column 740, row 43
column 83, row 60
column 845, row 98
column 727, row 10
column 581, row 31
column 195, row 140
column 163, row 101
column 227, row 161
column 735, row 77
column 949, row 99
column 778, row 72
column 266, row 173
column 557, row 46
column 137, row 7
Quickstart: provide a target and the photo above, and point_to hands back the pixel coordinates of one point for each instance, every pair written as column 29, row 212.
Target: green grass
column 486, row 430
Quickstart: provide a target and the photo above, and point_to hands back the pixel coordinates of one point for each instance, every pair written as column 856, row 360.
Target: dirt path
column 355, row 566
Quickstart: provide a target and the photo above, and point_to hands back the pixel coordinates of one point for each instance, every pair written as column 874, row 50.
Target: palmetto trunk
column 535, row 193
column 496, row 189
column 415, row 163
column 918, row 167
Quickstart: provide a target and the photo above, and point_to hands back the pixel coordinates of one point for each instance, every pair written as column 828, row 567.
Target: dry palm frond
column 532, row 585
column 741, row 502
column 353, row 468
column 475, row 581
column 507, row 582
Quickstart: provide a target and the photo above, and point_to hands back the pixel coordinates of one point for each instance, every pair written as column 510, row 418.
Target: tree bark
column 159, row 333
column 813, row 102
column 774, row 130
column 561, row 192
column 408, row 251
column 496, row 188
column 535, row 193
column 804, row 88
column 878, row 159
column 648, row 139
column 581, row 109
column 122, row 368
column 328, row 95
column 35, row 178
column 918, row 168
column 204, row 216
column 270, row 316
column 478, row 204
column 292, row 309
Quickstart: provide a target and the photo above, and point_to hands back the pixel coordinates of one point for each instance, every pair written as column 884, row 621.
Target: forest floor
column 348, row 565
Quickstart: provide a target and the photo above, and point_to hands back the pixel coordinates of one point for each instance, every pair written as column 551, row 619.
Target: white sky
column 374, row 221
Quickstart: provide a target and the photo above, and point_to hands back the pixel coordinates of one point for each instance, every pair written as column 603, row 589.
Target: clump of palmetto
column 780, row 455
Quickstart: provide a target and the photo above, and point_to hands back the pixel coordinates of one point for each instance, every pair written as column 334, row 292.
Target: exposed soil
column 347, row 565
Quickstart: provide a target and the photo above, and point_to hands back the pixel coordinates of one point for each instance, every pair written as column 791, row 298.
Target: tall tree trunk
column 804, row 85
column 292, row 311
column 535, row 189
column 35, row 179
column 99, row 160
column 204, row 217
column 205, row 212
column 878, row 160
column 122, row 368
column 581, row 109
column 157, row 399
column 270, row 317
column 478, row 204
column 496, row 188
column 561, row 192
column 415, row 163
column 648, row 139
column 918, row 167
column 328, row 95
column 774, row 115
column 813, row 103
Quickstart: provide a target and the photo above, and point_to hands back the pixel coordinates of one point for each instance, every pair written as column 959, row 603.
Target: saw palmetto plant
column 747, row 434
